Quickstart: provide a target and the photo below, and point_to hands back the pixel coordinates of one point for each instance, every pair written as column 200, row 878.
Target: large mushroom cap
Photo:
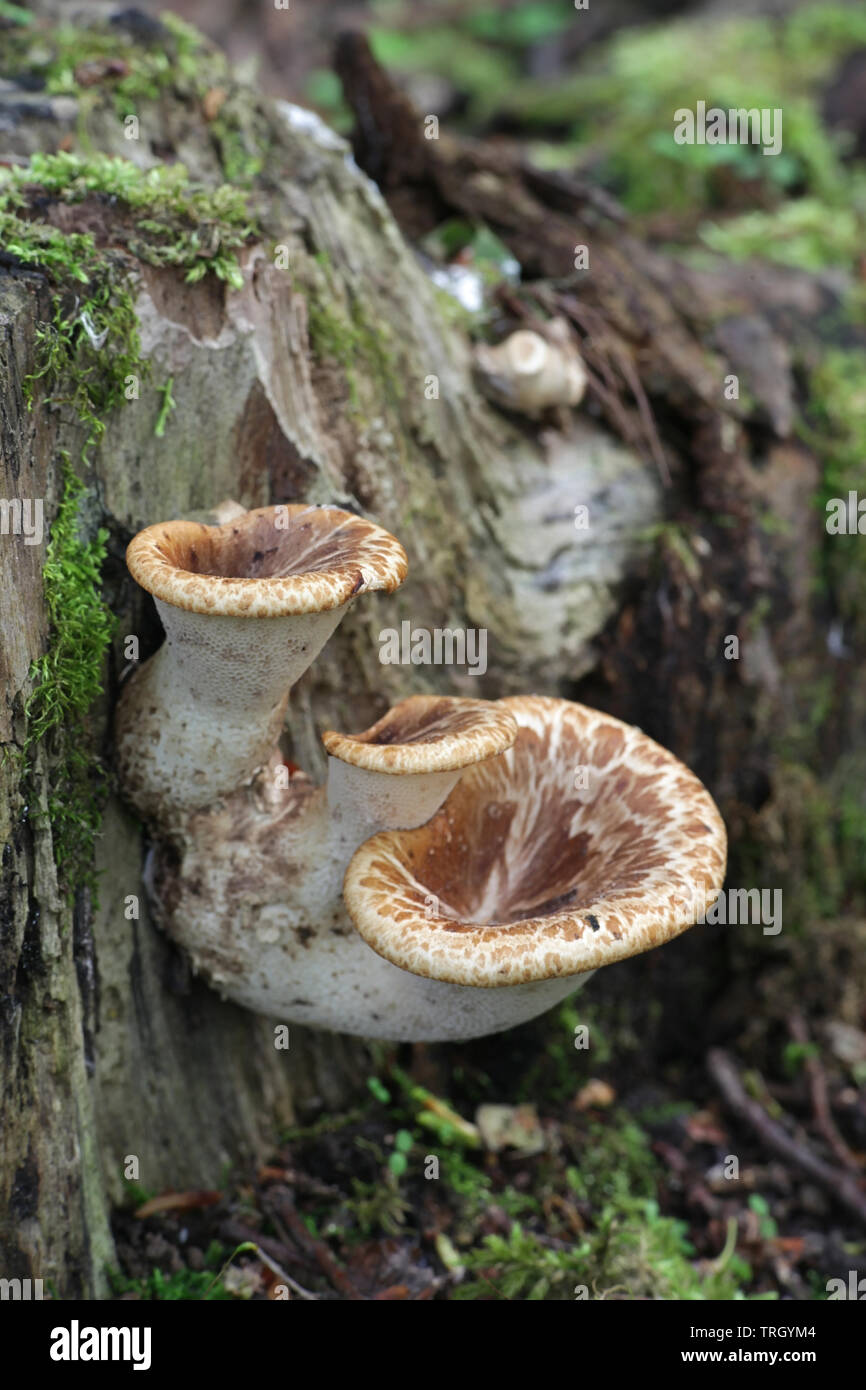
column 428, row 733
column 267, row 563
column 585, row 843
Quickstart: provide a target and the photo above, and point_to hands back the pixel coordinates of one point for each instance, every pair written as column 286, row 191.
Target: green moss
column 168, row 405
column 377, row 1207
column 331, row 338
column 103, row 64
column 176, row 222
column 836, row 430
column 353, row 342
column 604, row 1169
column 186, row 1285
column 629, row 1246
column 67, row 680
column 89, row 350
column 797, row 233
column 66, row 58
column 817, row 844
column 87, row 354
column 243, row 139
column 618, row 104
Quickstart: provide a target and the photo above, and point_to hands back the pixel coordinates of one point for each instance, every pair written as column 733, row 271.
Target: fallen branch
column 820, row 1097
column 837, row 1182
column 236, row 1233
column 281, row 1208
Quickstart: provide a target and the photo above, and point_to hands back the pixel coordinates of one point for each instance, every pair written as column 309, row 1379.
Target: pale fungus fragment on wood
column 530, row 373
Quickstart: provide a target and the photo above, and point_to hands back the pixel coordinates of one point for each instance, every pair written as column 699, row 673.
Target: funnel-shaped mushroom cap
column 583, row 844
column 267, row 563
column 428, row 733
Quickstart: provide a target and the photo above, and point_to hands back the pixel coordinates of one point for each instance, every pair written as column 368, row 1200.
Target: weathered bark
column 109, row 1049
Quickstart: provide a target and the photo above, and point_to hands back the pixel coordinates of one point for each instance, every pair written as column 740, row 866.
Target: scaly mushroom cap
column 531, row 877
column 267, row 563
column 428, row 733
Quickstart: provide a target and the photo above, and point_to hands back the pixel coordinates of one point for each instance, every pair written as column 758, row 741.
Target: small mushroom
column 585, row 843
column 530, row 373
column 397, row 773
column 246, row 606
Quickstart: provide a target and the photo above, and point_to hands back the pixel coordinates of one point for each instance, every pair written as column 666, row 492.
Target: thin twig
column 236, row 1233
column 251, row 1247
column 627, row 368
column 286, row 1278
column 820, row 1097
column 838, row 1183
column 281, row 1207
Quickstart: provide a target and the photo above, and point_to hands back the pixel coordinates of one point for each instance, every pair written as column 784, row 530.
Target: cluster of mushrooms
column 468, row 863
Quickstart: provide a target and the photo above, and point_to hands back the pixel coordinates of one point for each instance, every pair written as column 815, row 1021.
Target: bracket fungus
column 397, row 773
column 449, row 880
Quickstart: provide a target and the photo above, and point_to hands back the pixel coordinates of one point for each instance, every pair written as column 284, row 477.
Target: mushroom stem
column 455, row 877
column 205, row 712
column 362, row 802
column 396, row 774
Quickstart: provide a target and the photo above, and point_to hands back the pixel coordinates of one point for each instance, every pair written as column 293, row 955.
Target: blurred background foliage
column 581, row 98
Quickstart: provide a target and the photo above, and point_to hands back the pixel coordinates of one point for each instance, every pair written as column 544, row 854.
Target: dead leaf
column 703, row 1127
column 243, row 1280
column 178, row 1201
column 848, row 1044
column 96, row 70
column 271, row 1174
column 790, row 1245
column 212, row 102
column 595, row 1094
column 510, row 1127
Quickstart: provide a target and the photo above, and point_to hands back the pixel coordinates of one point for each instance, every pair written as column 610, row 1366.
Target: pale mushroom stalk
column 361, row 803
column 255, row 885
column 246, row 607
column 530, row 373
column 396, row 774
column 219, row 687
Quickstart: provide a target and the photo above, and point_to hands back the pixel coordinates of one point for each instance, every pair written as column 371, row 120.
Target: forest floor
column 561, row 1160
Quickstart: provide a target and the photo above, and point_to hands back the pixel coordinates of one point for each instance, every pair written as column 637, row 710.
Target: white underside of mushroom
column 250, row 864
column 256, row 904
column 261, row 916
column 206, row 710
column 335, row 981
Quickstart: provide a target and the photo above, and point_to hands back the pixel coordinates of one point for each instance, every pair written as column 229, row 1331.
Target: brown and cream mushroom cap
column 584, row 843
column 268, row 563
column 428, row 733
